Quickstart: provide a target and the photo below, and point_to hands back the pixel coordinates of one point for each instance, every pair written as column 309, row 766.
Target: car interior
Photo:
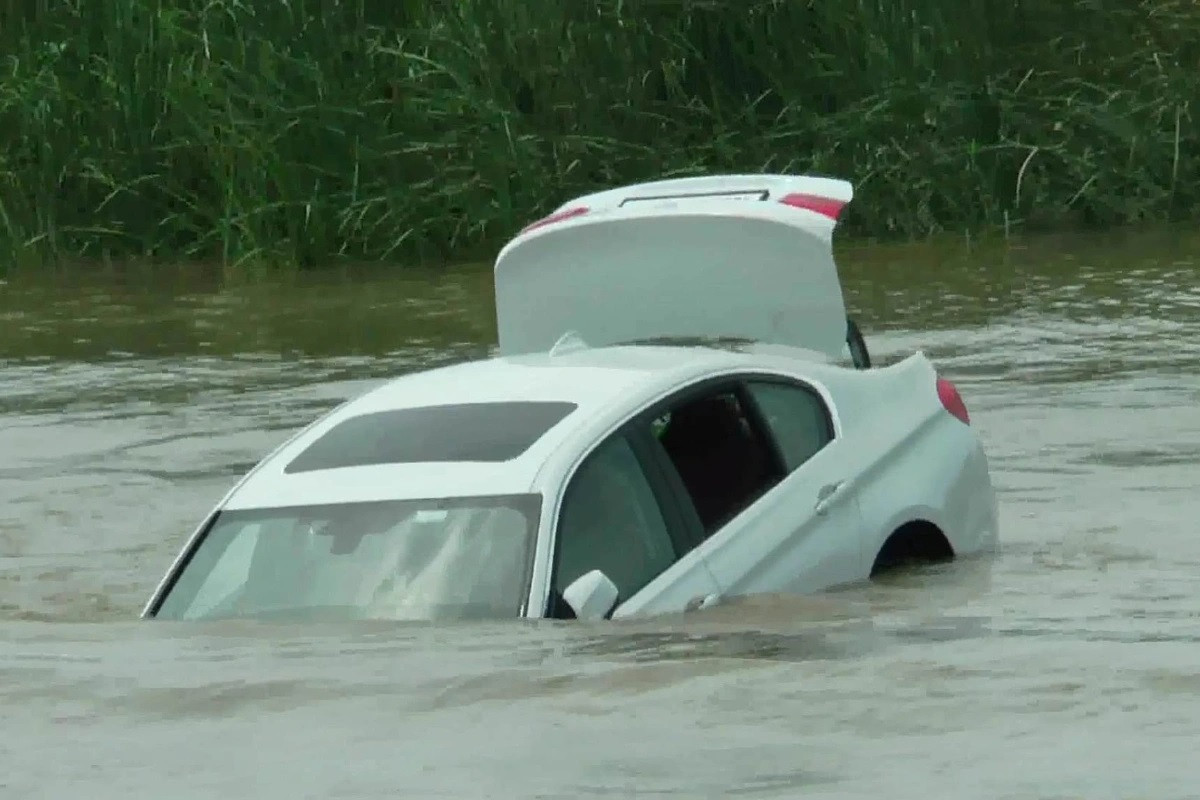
column 723, row 461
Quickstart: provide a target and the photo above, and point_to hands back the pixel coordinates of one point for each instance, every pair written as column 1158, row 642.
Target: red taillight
column 825, row 206
column 560, row 216
column 952, row 401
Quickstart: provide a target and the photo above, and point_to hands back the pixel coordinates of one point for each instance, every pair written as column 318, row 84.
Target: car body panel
column 758, row 270
column 795, row 538
column 687, row 585
column 915, row 461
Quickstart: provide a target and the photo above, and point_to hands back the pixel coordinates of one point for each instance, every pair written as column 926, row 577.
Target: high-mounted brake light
column 561, row 216
column 952, row 401
column 826, row 206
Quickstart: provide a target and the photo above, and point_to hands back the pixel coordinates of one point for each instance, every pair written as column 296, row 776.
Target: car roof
column 602, row 382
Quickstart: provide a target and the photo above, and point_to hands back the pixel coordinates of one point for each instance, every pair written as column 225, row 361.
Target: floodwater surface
column 1067, row 666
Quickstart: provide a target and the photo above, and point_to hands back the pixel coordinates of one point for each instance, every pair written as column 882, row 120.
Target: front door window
column 611, row 520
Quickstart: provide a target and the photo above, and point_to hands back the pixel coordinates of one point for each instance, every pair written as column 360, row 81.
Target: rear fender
column 882, row 410
column 940, row 474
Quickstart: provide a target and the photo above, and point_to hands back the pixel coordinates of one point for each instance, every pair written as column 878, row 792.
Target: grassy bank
column 295, row 131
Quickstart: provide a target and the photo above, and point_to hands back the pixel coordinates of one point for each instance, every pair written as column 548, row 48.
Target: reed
column 297, row 132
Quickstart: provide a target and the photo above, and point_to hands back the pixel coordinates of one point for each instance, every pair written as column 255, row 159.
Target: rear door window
column 723, row 459
column 796, row 417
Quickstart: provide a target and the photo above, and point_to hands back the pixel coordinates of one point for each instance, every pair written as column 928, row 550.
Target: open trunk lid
column 741, row 257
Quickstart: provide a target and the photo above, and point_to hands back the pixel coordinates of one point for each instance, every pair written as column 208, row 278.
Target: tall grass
column 298, row 131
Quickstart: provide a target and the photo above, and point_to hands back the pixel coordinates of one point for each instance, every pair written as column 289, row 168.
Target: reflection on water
column 1067, row 666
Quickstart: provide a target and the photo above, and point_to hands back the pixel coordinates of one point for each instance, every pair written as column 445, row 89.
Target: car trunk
column 691, row 268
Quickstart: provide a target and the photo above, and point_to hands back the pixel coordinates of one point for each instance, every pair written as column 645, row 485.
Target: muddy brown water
column 1068, row 666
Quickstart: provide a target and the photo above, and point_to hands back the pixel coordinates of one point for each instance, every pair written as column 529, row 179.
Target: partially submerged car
column 680, row 411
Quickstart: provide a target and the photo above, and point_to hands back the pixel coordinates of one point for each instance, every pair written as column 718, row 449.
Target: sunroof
column 491, row 432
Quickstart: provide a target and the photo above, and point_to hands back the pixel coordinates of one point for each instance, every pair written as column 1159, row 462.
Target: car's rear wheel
column 915, row 543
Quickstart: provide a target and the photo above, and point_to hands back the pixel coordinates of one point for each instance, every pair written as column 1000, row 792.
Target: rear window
column 461, row 432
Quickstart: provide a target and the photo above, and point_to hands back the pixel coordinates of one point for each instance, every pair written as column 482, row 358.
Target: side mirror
column 592, row 595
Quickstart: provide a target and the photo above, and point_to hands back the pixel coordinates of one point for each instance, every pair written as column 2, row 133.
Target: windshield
column 411, row 559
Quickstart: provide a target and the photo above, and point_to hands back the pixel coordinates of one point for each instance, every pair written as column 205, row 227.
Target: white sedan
column 679, row 413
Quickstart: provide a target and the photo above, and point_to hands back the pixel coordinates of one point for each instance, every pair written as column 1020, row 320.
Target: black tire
column 859, row 353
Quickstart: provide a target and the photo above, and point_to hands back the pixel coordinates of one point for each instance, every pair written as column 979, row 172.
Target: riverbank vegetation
column 299, row 131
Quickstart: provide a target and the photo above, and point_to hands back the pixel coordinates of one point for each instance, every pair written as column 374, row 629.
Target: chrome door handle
column 825, row 496
column 702, row 601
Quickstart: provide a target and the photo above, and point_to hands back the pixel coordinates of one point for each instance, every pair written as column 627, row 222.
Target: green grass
column 299, row 132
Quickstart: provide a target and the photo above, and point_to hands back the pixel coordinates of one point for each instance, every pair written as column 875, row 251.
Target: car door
column 619, row 516
column 765, row 485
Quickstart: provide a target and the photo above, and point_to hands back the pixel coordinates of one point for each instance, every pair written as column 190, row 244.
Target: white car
column 677, row 414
